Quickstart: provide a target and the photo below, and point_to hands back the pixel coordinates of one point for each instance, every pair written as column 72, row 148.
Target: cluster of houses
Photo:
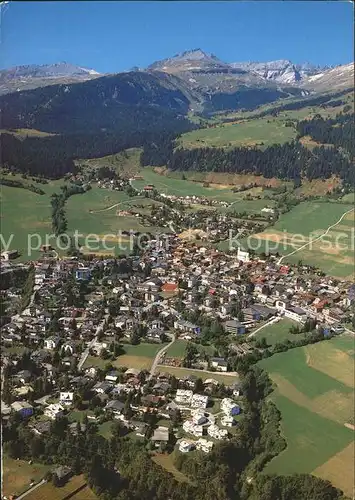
column 151, row 298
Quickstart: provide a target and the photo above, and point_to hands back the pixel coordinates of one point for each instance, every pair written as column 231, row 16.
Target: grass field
column 259, row 132
column 125, row 163
column 95, row 212
column 278, row 332
column 24, row 213
column 48, row 491
column 181, row 187
column 185, row 372
column 315, row 394
column 177, row 349
column 333, row 253
column 167, row 462
column 18, row 474
column 139, row 356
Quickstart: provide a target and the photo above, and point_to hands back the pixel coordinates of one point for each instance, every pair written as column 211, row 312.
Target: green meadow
column 314, row 391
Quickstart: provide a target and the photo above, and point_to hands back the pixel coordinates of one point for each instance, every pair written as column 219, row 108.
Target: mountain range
column 201, row 71
column 66, row 99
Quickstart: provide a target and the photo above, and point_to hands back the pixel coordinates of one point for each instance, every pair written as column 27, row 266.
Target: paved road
column 315, row 239
column 274, row 319
column 85, row 354
column 31, row 489
column 158, row 356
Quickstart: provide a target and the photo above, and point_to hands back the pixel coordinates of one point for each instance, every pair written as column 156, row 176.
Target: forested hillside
column 289, row 162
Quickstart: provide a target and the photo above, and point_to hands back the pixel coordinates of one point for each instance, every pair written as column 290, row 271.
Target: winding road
column 315, row 239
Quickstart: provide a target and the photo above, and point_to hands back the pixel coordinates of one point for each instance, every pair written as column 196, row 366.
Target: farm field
column 314, row 391
column 278, row 332
column 48, row 491
column 18, row 474
column 258, row 132
column 333, row 253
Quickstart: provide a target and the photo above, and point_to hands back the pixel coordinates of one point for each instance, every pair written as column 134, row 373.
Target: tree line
column 289, row 161
column 338, row 131
column 20, row 184
column 59, row 220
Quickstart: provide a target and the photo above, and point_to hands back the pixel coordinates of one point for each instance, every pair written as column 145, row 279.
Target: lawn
column 314, row 390
column 48, row 491
column 278, row 332
column 259, row 132
column 333, row 253
column 138, row 356
column 177, row 349
column 185, row 372
column 105, row 429
column 18, row 474
column 167, row 462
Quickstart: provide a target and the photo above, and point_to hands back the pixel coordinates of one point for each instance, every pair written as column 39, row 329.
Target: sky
column 115, row 36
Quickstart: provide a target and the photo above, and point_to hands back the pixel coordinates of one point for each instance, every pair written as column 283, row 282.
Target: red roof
column 169, row 287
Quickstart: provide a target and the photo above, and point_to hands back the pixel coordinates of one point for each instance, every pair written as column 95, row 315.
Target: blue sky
column 114, row 36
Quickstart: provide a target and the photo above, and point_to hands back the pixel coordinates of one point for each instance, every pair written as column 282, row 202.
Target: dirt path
column 158, row 356
column 315, row 239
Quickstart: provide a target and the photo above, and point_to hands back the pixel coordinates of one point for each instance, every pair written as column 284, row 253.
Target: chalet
column 51, row 343
column 24, row 376
column 220, row 364
column 115, row 406
column 9, row 254
column 54, row 411
column 186, row 326
column 296, row 313
column 160, row 436
column 102, row 387
column 23, row 408
column 83, row 274
column 66, row 398
column 234, row 327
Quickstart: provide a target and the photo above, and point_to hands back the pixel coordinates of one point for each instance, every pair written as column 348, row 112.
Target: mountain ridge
column 199, row 71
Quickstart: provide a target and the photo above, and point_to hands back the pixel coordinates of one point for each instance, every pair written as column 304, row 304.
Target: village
column 66, row 328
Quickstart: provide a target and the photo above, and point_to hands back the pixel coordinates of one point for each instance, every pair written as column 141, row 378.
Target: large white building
column 190, row 427
column 54, row 411
column 215, row 432
column 186, row 446
column 199, row 401
column 183, row 396
column 66, row 398
column 229, row 407
column 204, row 445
